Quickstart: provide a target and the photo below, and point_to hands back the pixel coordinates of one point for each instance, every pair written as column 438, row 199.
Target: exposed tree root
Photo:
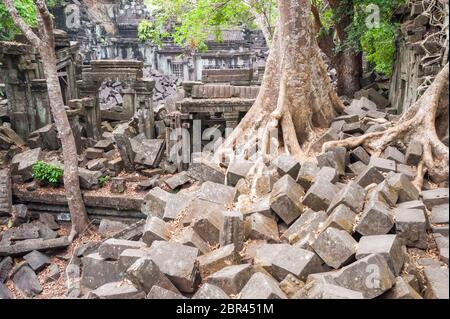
column 418, row 123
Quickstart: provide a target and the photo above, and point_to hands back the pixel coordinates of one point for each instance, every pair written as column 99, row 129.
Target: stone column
column 92, row 118
column 231, row 119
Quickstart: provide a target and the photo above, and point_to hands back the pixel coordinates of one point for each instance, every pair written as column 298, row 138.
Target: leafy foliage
column 47, row 173
column 103, row 179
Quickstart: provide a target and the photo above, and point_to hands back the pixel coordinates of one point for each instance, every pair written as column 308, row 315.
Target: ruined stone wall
column 422, row 51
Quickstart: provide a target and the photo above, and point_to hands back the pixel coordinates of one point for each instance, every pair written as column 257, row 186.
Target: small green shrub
column 48, row 173
column 102, row 180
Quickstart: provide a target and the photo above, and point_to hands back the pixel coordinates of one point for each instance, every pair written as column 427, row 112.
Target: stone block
column 435, row 197
column 155, row 229
column 287, row 165
column 209, row 190
column 352, row 195
column 285, row 199
column 26, row 281
column 306, row 174
column 383, row 192
column 215, row 260
column 260, row 227
column 360, row 154
column 414, row 153
column 342, row 217
column 393, row 154
column 98, row 271
column 237, row 170
column 402, row 290
column 404, row 187
column 369, row 176
column 377, row 219
column 189, row 237
column 261, row 286
column 129, row 257
column 89, row 179
column 232, row 279
column 208, row 226
column 116, row 290
column 155, row 202
column 382, row 164
column 37, row 260
column 305, row 227
column 22, row 163
column 112, row 248
column 335, row 158
column 320, row 195
column 232, row 231
column 440, row 214
column 161, row 293
column 437, row 283
column 411, row 227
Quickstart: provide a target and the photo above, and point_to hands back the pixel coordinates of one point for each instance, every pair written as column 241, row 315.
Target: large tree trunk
column 44, row 43
column 423, row 122
column 296, row 95
column 349, row 69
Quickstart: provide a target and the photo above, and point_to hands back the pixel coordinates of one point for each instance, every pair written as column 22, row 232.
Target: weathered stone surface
column 118, row 185
column 383, row 192
column 440, row 214
column 291, row 285
column 360, row 154
column 327, row 174
column 49, row 220
column 208, row 291
column 232, row 279
column 176, row 204
column 110, row 227
column 237, row 170
column 411, row 227
column 331, row 135
column 352, row 195
column 261, row 286
column 117, row 290
column 98, row 164
column 336, row 247
column 190, row 238
column 401, row 290
column 287, row 165
column 5, row 193
column 148, row 151
column 442, row 246
column 25, row 246
column 414, row 153
column 285, row 199
column 370, row 175
column 115, row 165
column 306, row 175
column 382, row 164
column 232, row 231
column 209, row 191
column 320, row 195
column 320, row 289
column 145, row 274
column 129, row 256
column 155, row 202
column 388, row 246
column 161, row 293
column 217, row 259
column 178, row 180
column 354, row 128
column 4, row 292
column 304, row 227
column 404, row 187
column 414, row 204
column 437, row 283
column 6, row 265
column 435, row 197
column 377, row 219
column 335, row 158
column 22, row 163
column 283, row 259
column 393, row 154
column 89, row 179
column 105, row 145
column 53, row 273
column 112, row 248
column 371, row 276
column 258, row 226
column 177, row 262
column 26, row 281
column 342, row 217
column 208, row 226
column 155, row 229
column 37, row 260
column 98, row 271
column 357, row 168
column 203, row 170
column 24, row 231
column 94, row 153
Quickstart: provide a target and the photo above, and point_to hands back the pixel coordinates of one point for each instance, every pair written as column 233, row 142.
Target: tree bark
column 296, row 95
column 44, row 42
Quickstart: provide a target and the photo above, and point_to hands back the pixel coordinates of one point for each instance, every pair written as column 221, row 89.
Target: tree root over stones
column 419, row 124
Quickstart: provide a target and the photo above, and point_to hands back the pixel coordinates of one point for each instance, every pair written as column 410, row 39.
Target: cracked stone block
column 261, row 206
column 377, row 219
column 357, row 168
column 342, row 217
column 37, row 260
column 208, row 291
column 112, row 248
column 26, row 281
column 404, row 187
column 217, row 259
column 435, row 197
column 22, row 232
column 336, row 247
column 209, row 190
column 198, row 208
column 283, row 259
column 155, row 202
column 414, row 204
column 440, row 214
column 98, row 271
column 371, row 276
column 320, row 195
column 202, row 170
column 306, row 175
column 178, row 180
column 359, row 154
column 238, row 170
column 287, row 165
column 371, row 175
column 177, row 262
column 22, row 163
column 411, row 227
column 189, row 237
column 129, row 257
column 232, row 231
column 437, row 283
column 319, row 289
column 414, row 153
column 161, row 293
column 261, row 286
column 89, row 179
column 145, row 274
column 291, row 285
column 352, row 195
column 402, row 290
column 260, row 227
column 155, row 229
column 383, row 192
column 335, row 158
column 208, row 226
column 285, row 199
column 382, row 164
column 393, row 154
column 116, row 290
column 176, row 205
column 388, row 246
column 304, row 227
column 232, row 279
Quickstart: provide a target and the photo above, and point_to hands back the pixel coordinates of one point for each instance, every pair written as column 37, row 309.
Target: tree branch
column 21, row 24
